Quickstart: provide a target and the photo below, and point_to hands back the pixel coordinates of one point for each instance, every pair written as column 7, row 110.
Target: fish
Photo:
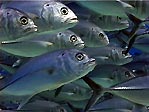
column 140, row 8
column 92, row 35
column 129, row 90
column 110, row 23
column 104, row 7
column 132, row 35
column 41, row 43
column 73, row 63
column 139, row 66
column 105, row 22
column 142, row 44
column 70, row 92
column 108, row 75
column 43, row 106
column 13, row 20
column 113, row 103
column 111, row 55
column 49, row 16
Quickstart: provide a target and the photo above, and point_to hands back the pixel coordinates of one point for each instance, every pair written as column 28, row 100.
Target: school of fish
column 74, row 56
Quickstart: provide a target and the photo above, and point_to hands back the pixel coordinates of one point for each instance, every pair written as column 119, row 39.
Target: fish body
column 43, row 106
column 104, row 7
column 140, row 8
column 108, row 75
column 113, row 104
column 15, row 21
column 70, row 92
column 110, row 23
column 41, row 43
column 135, row 90
column 49, row 76
column 111, row 55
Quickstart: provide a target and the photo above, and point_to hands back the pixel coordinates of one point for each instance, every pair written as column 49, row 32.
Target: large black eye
column 24, row 20
column 64, row 11
column 101, row 35
column 73, row 38
column 79, row 56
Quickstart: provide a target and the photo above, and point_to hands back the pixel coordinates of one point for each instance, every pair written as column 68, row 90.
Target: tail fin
column 97, row 91
column 137, row 22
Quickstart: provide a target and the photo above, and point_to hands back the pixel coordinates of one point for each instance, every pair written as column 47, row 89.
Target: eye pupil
column 47, row 5
column 73, row 38
column 127, row 74
column 24, row 20
column 64, row 11
column 79, row 56
column 101, row 35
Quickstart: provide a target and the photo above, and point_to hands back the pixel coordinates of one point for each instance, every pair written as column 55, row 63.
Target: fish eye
column 101, row 35
column 73, row 38
column 119, row 18
column 79, row 56
column 24, row 20
column 127, row 74
column 64, row 11
column 47, row 4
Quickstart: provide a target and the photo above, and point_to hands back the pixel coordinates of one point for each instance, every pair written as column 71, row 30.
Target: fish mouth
column 80, row 45
column 125, row 23
column 31, row 29
column 72, row 20
column 127, row 55
column 92, row 61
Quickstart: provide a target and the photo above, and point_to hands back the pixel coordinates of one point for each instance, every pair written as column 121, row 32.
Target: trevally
column 108, row 55
column 41, row 43
column 15, row 24
column 42, row 106
column 46, row 72
column 104, row 7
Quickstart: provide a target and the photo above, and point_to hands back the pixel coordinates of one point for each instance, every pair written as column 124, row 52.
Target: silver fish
column 110, row 23
column 132, row 89
column 140, row 8
column 41, row 43
column 70, row 92
column 111, row 55
column 104, row 7
column 92, row 35
column 42, row 106
column 105, row 22
column 15, row 21
column 48, row 15
column 72, row 63
column 113, row 103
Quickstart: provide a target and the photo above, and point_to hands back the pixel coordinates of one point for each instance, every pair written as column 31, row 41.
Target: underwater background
column 74, row 56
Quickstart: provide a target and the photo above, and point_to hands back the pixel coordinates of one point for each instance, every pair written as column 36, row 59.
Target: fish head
column 77, row 63
column 99, row 38
column 19, row 23
column 118, row 57
column 71, row 40
column 111, row 23
column 121, row 74
column 59, row 15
